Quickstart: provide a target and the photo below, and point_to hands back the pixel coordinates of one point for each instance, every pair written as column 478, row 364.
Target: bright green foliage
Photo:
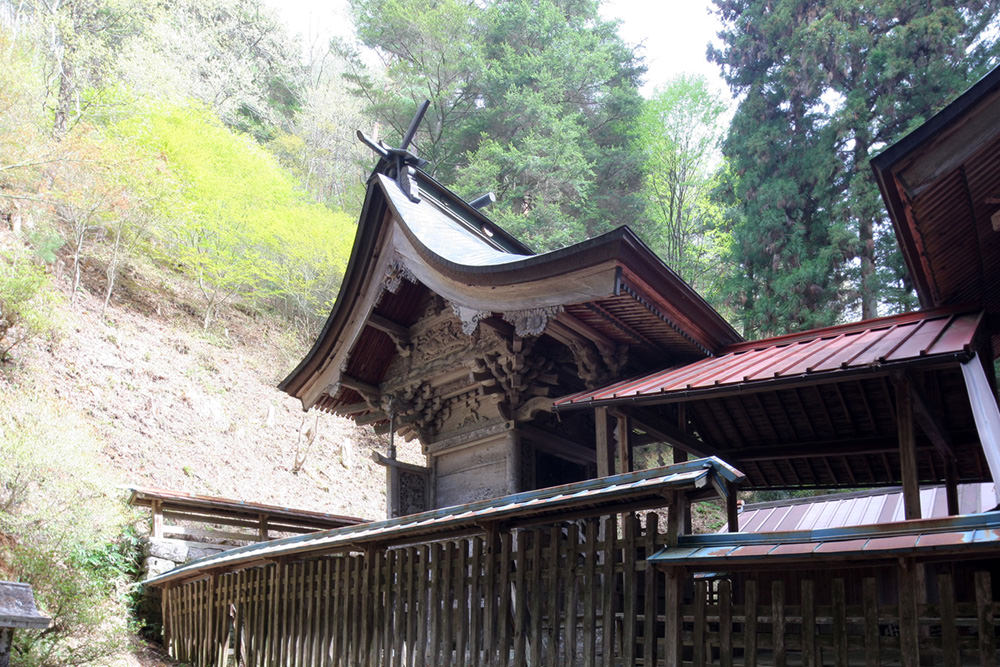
column 62, row 520
column 680, row 130
column 26, row 304
column 238, row 225
column 824, row 87
column 534, row 101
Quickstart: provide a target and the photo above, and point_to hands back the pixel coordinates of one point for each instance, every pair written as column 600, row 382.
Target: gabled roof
column 941, row 184
column 611, row 285
column 876, row 343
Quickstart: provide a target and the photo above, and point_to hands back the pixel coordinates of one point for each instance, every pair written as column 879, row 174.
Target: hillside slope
column 178, row 408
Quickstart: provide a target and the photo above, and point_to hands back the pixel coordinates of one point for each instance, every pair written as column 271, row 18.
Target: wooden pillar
column 605, row 453
column 514, row 482
column 985, row 412
column 262, row 528
column 951, row 488
column 680, row 456
column 907, row 450
column 732, row 508
column 156, row 506
column 623, row 440
column 673, row 620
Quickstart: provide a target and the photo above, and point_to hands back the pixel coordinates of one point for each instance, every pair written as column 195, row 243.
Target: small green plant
column 65, row 532
column 25, row 301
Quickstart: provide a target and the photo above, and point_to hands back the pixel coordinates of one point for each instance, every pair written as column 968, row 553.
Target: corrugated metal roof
column 966, row 534
column 839, row 510
column 886, row 340
column 605, row 493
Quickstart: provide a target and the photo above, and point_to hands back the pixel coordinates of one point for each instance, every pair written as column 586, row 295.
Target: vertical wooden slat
column 462, row 602
column 434, row 609
column 504, row 606
column 412, row 577
column 778, row 622
column 337, row 615
column 750, row 623
column 839, row 622
column 698, row 634
column 570, row 571
column 869, row 595
column 984, row 617
column 630, row 528
column 908, row 646
column 309, row 596
column 385, row 609
column 357, row 590
column 949, row 631
column 490, row 598
column 424, row 610
column 520, row 598
column 534, row 594
column 449, row 594
column 475, row 599
column 725, row 624
column 552, row 602
column 649, row 592
column 607, row 591
column 673, row 622
column 808, row 623
column 589, row 584
column 605, row 452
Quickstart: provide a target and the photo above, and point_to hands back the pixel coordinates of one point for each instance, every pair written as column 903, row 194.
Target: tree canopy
column 823, row 87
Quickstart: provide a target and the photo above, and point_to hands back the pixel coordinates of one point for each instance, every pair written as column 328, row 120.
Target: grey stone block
column 200, row 552
column 161, row 547
column 156, row 566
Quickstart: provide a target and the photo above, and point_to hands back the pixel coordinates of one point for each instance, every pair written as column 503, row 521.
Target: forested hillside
column 179, row 185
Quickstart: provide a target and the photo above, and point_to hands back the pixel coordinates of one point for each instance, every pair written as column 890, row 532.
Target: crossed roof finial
column 400, row 163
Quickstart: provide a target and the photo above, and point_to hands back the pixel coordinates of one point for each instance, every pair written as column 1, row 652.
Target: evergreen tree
column 825, row 86
column 533, row 100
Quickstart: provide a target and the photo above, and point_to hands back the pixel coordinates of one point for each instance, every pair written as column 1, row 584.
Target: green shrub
column 25, row 302
column 64, row 530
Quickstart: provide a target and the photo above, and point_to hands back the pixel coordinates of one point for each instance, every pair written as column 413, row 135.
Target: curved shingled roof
column 612, row 283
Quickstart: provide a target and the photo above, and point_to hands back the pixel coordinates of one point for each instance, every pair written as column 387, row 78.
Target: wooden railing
column 577, row 593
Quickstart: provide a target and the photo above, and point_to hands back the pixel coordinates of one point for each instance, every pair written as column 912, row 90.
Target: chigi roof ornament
column 400, row 163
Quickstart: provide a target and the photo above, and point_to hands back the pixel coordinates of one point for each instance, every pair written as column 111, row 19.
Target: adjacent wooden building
column 540, row 385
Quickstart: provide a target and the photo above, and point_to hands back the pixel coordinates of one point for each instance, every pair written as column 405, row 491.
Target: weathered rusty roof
column 941, row 185
column 601, row 495
column 853, row 347
column 839, row 510
column 965, row 534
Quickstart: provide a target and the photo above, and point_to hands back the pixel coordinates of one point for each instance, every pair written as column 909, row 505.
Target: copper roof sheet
column 868, row 344
column 967, row 533
column 839, row 510
column 605, row 493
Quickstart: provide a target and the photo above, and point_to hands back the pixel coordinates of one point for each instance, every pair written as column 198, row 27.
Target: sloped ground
column 183, row 409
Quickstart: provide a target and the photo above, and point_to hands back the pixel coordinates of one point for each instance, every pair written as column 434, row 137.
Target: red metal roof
column 872, row 343
column 839, row 510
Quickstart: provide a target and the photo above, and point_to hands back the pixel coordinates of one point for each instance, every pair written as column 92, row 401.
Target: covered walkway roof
column 606, row 495
column 819, row 409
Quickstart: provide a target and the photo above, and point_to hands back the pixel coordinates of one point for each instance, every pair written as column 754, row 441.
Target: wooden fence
column 571, row 594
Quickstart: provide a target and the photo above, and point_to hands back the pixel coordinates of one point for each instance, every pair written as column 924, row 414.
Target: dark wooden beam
column 732, row 509
column 907, row 451
column 555, row 444
column 393, row 329
column 623, row 440
column 929, row 423
column 814, row 449
column 602, row 435
column 668, row 433
column 951, row 488
column 368, row 391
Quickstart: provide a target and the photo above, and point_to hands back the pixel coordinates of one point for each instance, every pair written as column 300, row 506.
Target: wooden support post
column 951, row 488
column 677, row 508
column 985, row 412
column 157, row 511
column 680, row 456
column 909, row 646
column 907, row 450
column 623, row 442
column 262, row 529
column 605, row 453
column 732, row 508
column 672, row 616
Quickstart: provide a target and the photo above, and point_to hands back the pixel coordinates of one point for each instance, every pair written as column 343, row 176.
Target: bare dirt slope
column 179, row 408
